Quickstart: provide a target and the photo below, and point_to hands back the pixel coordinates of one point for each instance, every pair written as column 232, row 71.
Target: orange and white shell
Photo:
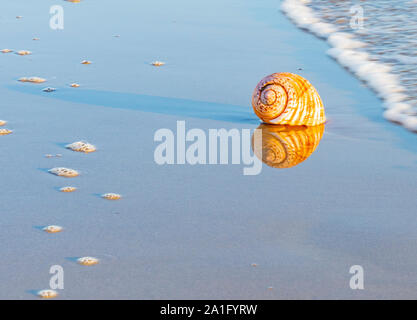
column 4, row 132
column 287, row 98
column 287, row 146
column 47, row 294
column 87, row 261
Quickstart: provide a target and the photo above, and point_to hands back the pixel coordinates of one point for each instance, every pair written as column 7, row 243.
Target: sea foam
column 351, row 54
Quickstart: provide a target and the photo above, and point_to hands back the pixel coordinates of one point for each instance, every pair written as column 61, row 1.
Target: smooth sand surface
column 181, row 231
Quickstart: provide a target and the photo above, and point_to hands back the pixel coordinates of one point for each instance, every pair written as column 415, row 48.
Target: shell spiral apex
column 287, row 98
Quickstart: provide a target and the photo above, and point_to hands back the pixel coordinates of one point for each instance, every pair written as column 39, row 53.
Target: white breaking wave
column 345, row 50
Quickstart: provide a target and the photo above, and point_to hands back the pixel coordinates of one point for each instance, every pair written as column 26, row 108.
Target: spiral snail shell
column 287, row 98
column 287, row 146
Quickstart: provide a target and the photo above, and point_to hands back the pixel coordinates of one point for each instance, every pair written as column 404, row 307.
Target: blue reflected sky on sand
column 146, row 103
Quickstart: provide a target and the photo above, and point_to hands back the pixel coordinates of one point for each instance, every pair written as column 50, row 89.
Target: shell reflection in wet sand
column 287, row 146
column 47, row 294
column 64, row 172
column 52, row 229
column 87, row 261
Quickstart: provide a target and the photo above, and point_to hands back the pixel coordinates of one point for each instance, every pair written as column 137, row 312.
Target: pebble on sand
column 68, row 189
column 53, row 229
column 47, row 294
column 85, row 62
column 87, row 261
column 111, row 196
column 3, row 122
column 157, row 63
column 64, row 172
column 48, row 89
column 23, row 52
column 4, row 132
column 6, row 50
column 32, row 79
column 81, row 146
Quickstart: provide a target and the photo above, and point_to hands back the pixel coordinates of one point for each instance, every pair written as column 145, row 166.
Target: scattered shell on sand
column 48, row 89
column 64, row 172
column 2, row 122
column 47, row 294
column 32, row 79
column 87, row 261
column 111, row 196
column 74, row 1
column 85, row 62
column 23, row 52
column 6, row 50
column 157, row 63
column 74, row 85
column 19, row 17
column 254, row 264
column 58, row 155
column 81, row 146
column 35, row 39
column 68, row 189
column 52, row 229
column 3, row 132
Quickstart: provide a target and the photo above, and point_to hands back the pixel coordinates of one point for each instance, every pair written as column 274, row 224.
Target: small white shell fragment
column 23, row 52
column 111, row 196
column 32, row 79
column 64, row 172
column 6, row 50
column 52, row 229
column 48, row 89
column 47, row 294
column 74, row 85
column 87, row 261
column 68, row 189
column 3, row 132
column 2, row 122
column 85, row 62
column 81, row 146
column 157, row 63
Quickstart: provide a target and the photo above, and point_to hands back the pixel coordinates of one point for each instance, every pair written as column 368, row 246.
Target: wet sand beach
column 184, row 231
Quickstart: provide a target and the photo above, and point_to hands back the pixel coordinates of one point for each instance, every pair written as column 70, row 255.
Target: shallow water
column 376, row 40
